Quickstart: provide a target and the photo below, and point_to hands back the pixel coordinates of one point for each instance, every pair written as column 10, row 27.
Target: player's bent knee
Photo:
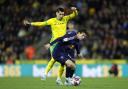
column 70, row 64
column 52, row 59
column 73, row 66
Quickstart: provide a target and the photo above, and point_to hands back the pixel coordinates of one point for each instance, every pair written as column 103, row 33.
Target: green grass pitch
column 87, row 83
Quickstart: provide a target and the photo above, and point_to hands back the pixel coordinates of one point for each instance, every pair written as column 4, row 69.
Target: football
column 76, row 80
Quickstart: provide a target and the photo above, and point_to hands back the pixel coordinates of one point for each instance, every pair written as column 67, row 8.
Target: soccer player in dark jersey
column 65, row 49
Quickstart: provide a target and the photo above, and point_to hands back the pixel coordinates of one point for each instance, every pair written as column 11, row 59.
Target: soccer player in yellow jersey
column 58, row 27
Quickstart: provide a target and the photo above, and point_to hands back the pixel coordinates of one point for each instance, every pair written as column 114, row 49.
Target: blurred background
column 104, row 21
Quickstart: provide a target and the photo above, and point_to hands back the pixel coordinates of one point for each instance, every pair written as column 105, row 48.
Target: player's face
column 81, row 36
column 60, row 15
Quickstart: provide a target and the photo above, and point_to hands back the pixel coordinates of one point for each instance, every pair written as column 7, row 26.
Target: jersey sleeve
column 72, row 15
column 44, row 23
column 77, row 47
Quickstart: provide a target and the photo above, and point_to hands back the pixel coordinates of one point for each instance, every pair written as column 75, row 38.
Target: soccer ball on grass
column 76, row 80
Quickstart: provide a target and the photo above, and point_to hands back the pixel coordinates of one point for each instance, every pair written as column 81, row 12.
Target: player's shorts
column 61, row 56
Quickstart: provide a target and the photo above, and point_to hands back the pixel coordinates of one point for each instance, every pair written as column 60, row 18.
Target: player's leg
column 61, row 68
column 70, row 69
column 60, row 72
column 50, row 64
column 70, row 66
column 48, row 68
column 63, row 58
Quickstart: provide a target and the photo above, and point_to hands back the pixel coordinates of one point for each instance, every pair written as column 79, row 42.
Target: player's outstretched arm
column 26, row 22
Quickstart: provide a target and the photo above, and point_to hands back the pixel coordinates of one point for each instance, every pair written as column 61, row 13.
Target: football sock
column 49, row 66
column 71, row 73
column 61, row 70
column 68, row 69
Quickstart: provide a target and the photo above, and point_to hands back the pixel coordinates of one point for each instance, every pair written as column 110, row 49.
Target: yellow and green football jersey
column 58, row 27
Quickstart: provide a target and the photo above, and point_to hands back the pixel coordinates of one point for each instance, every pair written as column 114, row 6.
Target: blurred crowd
column 104, row 21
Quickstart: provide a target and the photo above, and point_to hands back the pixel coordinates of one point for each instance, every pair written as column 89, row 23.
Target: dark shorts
column 62, row 57
column 61, row 54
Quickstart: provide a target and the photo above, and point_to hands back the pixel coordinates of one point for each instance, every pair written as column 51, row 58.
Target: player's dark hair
column 60, row 9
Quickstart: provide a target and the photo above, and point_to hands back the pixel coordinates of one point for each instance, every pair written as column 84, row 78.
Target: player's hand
column 47, row 46
column 26, row 22
column 80, row 56
column 73, row 8
column 85, row 35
